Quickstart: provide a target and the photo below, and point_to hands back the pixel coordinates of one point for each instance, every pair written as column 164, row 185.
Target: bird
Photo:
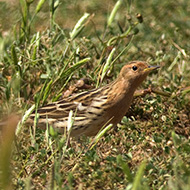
column 96, row 108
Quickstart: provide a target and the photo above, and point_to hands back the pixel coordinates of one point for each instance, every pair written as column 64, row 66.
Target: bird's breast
column 120, row 106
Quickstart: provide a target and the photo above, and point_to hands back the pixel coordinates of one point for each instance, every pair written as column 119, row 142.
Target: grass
column 48, row 49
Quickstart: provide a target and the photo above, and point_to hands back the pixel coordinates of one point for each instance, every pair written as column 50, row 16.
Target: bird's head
column 135, row 72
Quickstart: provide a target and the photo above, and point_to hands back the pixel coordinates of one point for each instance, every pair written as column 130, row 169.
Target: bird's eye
column 134, row 68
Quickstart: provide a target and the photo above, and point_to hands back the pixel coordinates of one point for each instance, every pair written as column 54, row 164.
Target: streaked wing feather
column 86, row 105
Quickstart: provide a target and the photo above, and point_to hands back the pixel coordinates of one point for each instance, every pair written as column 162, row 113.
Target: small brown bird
column 98, row 107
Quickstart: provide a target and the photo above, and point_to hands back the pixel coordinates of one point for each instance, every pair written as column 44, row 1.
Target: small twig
column 179, row 48
column 149, row 91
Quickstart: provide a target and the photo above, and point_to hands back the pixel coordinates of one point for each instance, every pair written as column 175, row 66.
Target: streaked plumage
column 97, row 107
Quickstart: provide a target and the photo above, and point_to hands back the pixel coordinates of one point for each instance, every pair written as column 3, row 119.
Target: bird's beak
column 151, row 68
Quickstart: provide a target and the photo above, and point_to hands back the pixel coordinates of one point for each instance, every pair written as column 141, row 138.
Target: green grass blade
column 39, row 6
column 100, row 134
column 139, row 176
column 14, row 55
column 67, row 72
column 24, row 11
column 125, row 168
column 108, row 64
column 47, row 91
column 113, row 13
column 24, row 118
column 79, row 26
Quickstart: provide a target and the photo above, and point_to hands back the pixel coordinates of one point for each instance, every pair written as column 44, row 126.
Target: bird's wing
column 58, row 110
column 87, row 108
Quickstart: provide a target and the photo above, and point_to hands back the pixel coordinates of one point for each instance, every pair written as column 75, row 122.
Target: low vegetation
column 52, row 49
